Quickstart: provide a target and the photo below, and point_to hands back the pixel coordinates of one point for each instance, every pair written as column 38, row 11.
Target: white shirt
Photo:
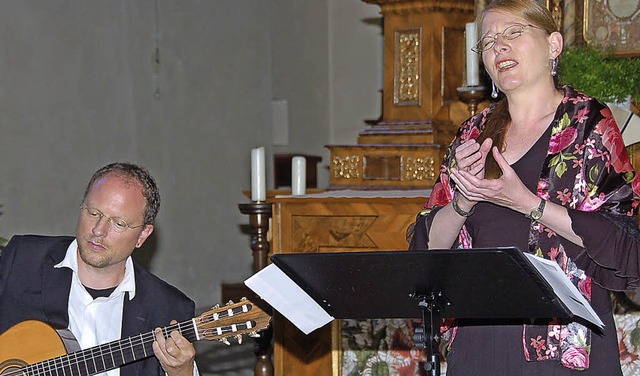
column 97, row 321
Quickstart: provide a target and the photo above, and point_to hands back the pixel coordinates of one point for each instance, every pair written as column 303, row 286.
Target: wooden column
column 259, row 214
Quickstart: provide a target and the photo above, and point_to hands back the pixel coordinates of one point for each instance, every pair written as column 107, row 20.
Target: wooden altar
column 377, row 187
column 336, row 221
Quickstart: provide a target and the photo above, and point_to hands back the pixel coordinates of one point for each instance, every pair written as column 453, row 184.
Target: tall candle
column 258, row 181
column 298, row 176
column 473, row 66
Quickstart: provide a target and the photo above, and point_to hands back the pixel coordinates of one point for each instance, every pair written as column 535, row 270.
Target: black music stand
column 497, row 283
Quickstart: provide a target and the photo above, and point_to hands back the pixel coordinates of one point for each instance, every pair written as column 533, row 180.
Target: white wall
column 300, row 73
column 77, row 91
column 327, row 66
column 356, row 64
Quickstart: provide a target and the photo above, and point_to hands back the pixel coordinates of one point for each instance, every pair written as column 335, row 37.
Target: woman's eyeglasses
column 510, row 33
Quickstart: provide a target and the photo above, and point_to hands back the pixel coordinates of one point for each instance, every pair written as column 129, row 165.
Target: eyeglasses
column 510, row 33
column 117, row 224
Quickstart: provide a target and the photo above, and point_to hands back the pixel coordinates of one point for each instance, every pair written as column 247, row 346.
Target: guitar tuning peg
column 216, row 306
column 230, row 302
column 239, row 338
column 243, row 299
column 254, row 335
column 225, row 341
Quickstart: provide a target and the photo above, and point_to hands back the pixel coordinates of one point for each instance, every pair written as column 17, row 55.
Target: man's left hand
column 175, row 353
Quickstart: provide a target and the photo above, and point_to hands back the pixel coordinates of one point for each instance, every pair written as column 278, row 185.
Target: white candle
column 473, row 66
column 298, row 176
column 258, row 183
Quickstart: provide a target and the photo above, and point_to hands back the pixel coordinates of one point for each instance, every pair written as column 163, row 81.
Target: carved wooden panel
column 342, row 224
column 397, row 166
column 426, row 51
column 324, row 233
column 331, row 224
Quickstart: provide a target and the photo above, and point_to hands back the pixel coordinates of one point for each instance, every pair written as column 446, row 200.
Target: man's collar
column 128, row 283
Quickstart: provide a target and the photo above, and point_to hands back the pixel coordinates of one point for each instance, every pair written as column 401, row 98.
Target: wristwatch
column 536, row 213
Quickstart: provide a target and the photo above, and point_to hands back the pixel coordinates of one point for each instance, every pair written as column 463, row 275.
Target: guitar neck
column 219, row 323
column 107, row 356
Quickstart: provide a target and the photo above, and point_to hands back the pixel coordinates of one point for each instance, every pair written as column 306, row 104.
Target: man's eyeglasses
column 117, row 224
column 510, row 33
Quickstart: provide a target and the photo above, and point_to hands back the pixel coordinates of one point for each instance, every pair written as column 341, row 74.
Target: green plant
column 600, row 74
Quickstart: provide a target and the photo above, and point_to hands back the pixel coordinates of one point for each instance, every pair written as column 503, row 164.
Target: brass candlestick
column 472, row 96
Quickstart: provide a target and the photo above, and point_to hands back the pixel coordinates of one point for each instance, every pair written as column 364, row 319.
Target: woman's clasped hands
column 468, row 176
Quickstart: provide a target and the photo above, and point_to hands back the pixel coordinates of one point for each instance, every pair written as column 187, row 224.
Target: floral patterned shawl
column 586, row 169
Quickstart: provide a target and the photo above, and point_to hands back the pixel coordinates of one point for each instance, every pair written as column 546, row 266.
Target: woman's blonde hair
column 498, row 121
column 531, row 10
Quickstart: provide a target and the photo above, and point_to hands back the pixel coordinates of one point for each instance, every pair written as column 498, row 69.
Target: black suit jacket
column 32, row 289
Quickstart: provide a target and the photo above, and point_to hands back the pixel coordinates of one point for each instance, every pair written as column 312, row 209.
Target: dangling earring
column 554, row 66
column 494, row 90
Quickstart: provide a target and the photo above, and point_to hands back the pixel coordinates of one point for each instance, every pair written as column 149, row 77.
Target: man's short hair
column 139, row 174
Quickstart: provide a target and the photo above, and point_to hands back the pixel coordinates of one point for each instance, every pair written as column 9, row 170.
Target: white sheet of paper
column 285, row 296
column 566, row 291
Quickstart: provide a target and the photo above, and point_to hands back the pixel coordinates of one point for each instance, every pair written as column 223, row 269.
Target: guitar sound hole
column 11, row 365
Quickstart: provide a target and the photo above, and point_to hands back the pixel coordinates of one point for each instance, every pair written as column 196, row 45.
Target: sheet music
column 565, row 290
column 285, row 296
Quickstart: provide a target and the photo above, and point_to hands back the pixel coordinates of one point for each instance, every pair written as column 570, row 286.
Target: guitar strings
column 119, row 346
column 76, row 358
column 105, row 350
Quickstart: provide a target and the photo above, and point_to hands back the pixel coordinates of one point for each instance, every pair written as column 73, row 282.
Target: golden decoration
column 346, row 167
column 407, row 74
column 419, row 169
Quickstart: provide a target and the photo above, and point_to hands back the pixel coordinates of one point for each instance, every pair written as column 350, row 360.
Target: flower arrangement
column 600, row 74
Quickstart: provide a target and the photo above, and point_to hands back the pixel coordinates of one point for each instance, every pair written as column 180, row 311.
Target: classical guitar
column 35, row 348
